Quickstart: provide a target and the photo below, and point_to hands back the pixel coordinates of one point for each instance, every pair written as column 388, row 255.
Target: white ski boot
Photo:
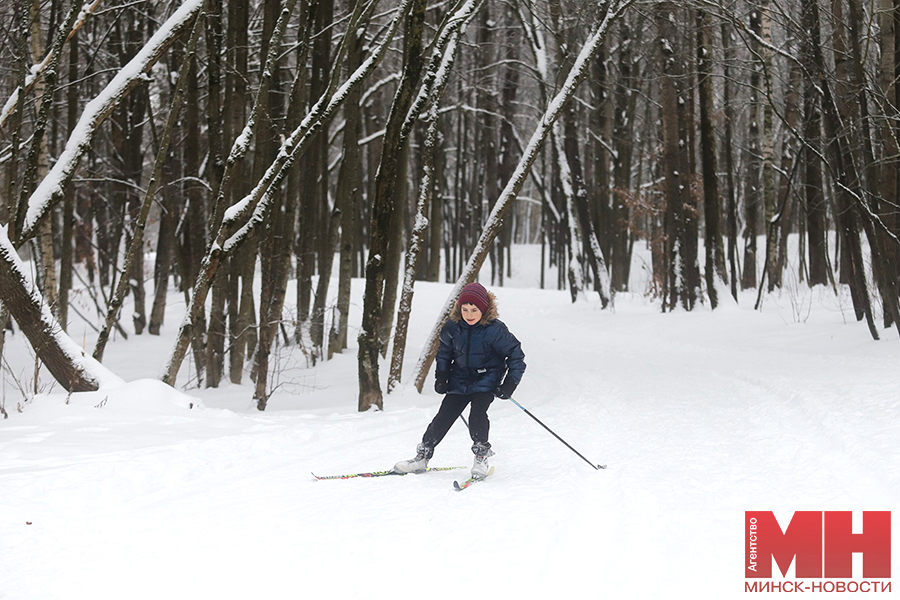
column 481, row 468
column 419, row 464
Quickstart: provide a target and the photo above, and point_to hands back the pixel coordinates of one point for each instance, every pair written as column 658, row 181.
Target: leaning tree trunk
column 36, row 72
column 275, row 240
column 611, row 11
column 60, row 354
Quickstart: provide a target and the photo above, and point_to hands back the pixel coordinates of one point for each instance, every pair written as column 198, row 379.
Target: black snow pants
column 451, row 408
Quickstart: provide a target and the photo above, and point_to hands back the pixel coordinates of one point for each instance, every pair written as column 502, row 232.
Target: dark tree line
column 245, row 153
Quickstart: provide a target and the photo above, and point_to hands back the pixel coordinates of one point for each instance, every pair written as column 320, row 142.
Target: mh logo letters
column 822, row 543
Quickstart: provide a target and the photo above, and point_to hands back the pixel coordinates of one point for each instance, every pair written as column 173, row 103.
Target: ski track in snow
column 700, row 417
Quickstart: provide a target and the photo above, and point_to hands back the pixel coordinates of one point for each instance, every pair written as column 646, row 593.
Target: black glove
column 506, row 389
column 440, row 383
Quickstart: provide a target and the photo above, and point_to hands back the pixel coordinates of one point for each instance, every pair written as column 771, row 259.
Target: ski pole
column 556, row 436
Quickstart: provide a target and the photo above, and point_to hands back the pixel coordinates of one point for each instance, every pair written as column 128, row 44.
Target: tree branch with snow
column 50, row 190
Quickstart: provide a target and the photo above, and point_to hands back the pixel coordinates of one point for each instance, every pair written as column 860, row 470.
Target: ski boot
column 419, row 464
column 481, row 467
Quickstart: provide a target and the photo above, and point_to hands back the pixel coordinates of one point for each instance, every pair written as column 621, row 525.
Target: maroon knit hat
column 474, row 293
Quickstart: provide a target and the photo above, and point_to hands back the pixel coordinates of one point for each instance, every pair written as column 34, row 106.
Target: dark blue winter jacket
column 477, row 357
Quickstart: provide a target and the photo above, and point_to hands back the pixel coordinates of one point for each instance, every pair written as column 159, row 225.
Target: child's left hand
column 506, row 389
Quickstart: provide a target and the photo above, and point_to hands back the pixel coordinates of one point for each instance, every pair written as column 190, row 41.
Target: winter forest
column 190, row 148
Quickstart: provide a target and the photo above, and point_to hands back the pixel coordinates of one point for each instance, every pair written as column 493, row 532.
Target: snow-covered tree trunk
column 384, row 205
column 681, row 269
column 62, row 357
column 37, row 159
column 577, row 201
column 438, row 74
column 274, row 257
column 610, row 12
column 65, row 360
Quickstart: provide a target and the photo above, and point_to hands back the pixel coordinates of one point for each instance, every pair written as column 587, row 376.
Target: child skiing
column 478, row 358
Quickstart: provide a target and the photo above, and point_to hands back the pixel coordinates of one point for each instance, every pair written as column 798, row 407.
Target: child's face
column 470, row 313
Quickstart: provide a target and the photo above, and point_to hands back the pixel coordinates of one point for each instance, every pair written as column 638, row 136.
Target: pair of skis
column 457, row 485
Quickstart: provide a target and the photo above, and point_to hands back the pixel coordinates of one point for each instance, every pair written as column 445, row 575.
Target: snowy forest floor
column 130, row 493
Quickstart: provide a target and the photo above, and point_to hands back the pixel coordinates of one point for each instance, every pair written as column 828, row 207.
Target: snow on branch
column 50, row 190
column 452, row 26
column 248, row 212
column 243, row 216
column 35, row 72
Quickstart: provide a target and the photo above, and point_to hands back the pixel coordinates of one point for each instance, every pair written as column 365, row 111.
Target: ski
column 380, row 473
column 461, row 486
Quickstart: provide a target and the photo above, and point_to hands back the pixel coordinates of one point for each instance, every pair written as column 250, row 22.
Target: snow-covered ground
column 132, row 493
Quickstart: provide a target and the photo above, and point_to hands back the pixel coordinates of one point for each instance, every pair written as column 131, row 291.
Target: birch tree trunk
column 38, row 158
